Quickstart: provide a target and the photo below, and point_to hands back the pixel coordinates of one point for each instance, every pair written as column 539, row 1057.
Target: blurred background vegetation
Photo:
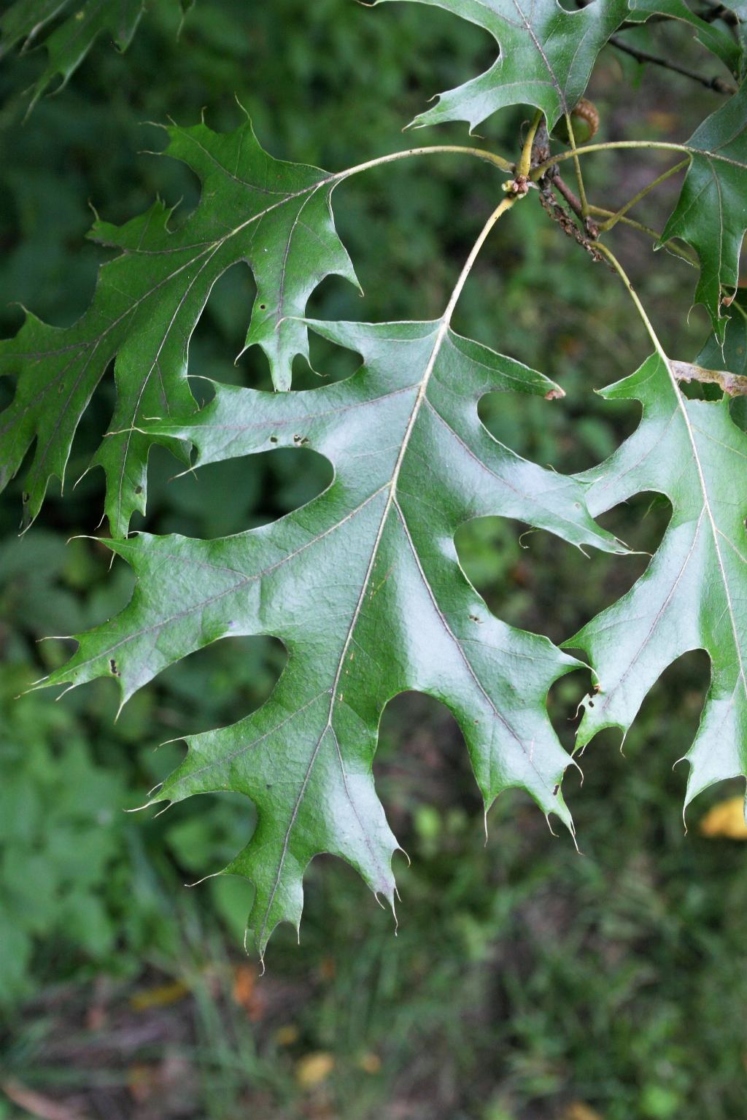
column 526, row 981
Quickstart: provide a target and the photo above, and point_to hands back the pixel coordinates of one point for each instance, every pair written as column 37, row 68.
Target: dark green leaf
column 71, row 41
column 546, row 56
column 711, row 213
column 732, row 353
column 715, row 39
column 273, row 215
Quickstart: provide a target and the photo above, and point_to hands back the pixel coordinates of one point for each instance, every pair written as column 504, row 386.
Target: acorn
column 585, row 121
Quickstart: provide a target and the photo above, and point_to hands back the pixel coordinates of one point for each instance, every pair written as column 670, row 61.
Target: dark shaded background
column 526, row 982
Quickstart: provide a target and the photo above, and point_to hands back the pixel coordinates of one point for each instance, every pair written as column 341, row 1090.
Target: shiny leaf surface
column 363, row 587
column 693, row 594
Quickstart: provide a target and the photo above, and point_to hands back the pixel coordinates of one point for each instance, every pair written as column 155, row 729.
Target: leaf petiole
column 611, row 146
column 614, row 218
column 618, row 268
column 671, row 246
column 498, row 213
column 525, row 161
column 577, row 166
column 435, row 149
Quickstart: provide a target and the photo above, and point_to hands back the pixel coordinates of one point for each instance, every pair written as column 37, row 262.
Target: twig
column 575, row 203
column 550, row 204
column 619, row 215
column 716, row 84
column 558, row 214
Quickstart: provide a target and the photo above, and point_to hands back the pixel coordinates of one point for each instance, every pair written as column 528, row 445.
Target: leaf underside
column 364, row 589
column 363, row 584
column 694, row 593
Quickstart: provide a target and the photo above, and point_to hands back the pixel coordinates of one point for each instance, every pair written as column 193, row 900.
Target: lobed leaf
column 364, row 588
column 711, row 213
column 275, row 216
column 546, row 56
column 693, row 594
column 715, row 39
column 71, row 41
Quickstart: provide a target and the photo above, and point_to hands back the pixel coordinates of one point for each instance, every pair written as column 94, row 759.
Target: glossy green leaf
column 693, row 594
column 275, row 216
column 546, row 56
column 363, row 587
column 711, row 213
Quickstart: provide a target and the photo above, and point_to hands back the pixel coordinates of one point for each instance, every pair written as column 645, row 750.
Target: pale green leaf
column 693, row 594
column 364, row 588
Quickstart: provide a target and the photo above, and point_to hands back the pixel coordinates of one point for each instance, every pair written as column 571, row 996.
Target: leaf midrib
column 441, row 334
column 715, row 533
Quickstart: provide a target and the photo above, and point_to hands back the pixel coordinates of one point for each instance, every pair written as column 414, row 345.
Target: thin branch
column 618, row 216
column 541, row 169
column 435, row 149
column 716, row 84
column 670, row 246
column 562, row 187
column 577, row 165
column 560, row 215
column 540, row 156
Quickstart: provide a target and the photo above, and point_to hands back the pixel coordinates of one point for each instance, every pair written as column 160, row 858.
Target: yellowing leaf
column 580, row 1111
column 287, row 1035
column 369, row 1062
column 159, row 997
column 314, row 1069
column 726, row 819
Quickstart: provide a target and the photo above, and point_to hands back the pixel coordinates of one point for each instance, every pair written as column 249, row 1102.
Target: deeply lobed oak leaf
column 364, row 588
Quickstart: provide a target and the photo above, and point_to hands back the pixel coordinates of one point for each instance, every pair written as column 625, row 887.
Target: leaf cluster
column 363, row 585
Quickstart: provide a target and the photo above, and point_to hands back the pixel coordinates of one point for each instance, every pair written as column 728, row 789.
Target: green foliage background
column 523, row 977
